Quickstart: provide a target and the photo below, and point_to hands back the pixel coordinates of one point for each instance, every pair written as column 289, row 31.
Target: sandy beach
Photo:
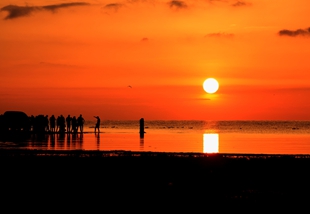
column 175, row 180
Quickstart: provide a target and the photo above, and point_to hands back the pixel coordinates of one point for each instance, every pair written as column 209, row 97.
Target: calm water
column 256, row 137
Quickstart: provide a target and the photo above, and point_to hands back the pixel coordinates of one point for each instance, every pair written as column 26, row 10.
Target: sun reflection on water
column 210, row 143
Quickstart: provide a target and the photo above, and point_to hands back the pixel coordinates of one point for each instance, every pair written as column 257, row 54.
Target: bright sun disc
column 210, row 85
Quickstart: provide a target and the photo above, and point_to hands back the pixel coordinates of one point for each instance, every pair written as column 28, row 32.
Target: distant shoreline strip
column 118, row 153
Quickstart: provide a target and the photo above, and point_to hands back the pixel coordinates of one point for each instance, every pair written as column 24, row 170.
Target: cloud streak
column 113, row 6
column 21, row 11
column 294, row 33
column 220, row 35
column 177, row 4
column 240, row 4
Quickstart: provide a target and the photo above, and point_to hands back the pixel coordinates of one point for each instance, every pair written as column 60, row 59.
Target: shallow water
column 252, row 137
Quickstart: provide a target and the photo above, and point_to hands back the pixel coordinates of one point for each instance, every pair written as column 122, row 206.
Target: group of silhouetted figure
column 60, row 124
column 16, row 121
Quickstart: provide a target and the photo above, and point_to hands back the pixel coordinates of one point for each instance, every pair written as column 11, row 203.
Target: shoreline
column 123, row 153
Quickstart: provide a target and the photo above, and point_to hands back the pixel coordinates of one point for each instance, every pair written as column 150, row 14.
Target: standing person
column 62, row 125
column 46, row 123
column 52, row 123
column 74, row 124
column 97, row 123
column 80, row 122
column 58, row 120
column 68, row 121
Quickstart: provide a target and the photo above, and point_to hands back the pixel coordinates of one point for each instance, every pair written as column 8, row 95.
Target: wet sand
column 157, row 181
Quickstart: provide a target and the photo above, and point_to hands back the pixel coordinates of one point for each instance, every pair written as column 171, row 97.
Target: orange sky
column 66, row 57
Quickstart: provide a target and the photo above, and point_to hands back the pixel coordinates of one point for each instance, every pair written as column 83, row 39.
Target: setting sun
column 210, row 85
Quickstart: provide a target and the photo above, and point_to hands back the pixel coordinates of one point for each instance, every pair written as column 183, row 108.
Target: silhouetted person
column 52, row 123
column 74, row 124
column 68, row 121
column 46, row 123
column 62, row 124
column 80, row 122
column 97, row 123
column 57, row 123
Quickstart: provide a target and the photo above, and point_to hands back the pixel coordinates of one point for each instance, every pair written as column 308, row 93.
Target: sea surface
column 237, row 137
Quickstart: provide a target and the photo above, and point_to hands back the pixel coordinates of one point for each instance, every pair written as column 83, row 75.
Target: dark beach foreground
column 153, row 181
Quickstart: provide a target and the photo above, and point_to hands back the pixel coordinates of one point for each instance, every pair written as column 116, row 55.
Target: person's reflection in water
column 79, row 141
column 61, row 140
column 74, row 135
column 81, row 137
column 52, row 140
column 141, row 143
column 68, row 140
column 39, row 140
column 97, row 135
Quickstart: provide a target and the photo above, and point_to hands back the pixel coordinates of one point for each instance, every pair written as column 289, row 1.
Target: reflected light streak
column 210, row 143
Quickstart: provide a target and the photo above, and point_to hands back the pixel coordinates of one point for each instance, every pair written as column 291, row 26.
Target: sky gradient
column 79, row 57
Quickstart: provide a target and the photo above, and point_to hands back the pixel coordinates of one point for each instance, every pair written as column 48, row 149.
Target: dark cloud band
column 240, row 4
column 20, row 11
column 177, row 4
column 294, row 33
column 114, row 6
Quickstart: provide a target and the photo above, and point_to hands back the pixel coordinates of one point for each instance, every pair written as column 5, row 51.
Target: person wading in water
column 97, row 124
